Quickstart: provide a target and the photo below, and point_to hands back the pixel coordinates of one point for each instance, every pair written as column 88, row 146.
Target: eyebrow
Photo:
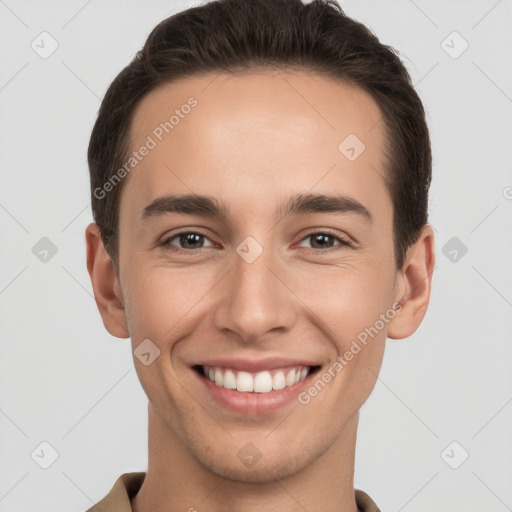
column 207, row 206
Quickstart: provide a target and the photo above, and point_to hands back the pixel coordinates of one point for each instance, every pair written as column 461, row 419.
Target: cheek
column 347, row 300
column 161, row 299
column 351, row 306
column 349, row 311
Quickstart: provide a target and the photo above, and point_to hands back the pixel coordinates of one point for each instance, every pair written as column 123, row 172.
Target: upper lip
column 253, row 365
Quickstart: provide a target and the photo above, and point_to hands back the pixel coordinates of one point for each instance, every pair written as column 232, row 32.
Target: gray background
column 65, row 381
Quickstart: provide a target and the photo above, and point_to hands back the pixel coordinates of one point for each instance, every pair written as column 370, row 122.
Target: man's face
column 258, row 284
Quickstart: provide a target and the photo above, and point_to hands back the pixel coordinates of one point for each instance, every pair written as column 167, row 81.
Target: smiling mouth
column 255, row 382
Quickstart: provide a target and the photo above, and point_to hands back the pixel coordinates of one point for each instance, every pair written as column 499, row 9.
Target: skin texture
column 253, row 140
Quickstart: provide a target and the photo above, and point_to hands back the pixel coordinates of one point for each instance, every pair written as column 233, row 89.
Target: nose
column 256, row 298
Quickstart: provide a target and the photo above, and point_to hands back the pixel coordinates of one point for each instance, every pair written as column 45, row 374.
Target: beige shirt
column 128, row 485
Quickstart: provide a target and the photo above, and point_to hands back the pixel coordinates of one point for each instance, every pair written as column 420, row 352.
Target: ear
column 413, row 286
column 105, row 284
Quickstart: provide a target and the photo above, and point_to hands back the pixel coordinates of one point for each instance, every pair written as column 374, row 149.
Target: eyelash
column 165, row 244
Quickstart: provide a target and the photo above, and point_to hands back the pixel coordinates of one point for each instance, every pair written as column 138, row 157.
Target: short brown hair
column 231, row 35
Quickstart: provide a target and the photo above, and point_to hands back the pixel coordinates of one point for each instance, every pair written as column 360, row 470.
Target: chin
column 260, row 473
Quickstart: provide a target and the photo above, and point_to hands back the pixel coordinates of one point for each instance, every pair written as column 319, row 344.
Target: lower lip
column 254, row 403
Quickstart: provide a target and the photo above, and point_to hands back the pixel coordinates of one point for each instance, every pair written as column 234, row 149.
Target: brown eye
column 189, row 241
column 321, row 241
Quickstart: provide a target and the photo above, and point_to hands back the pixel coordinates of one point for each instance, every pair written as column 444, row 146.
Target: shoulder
column 365, row 503
column 118, row 498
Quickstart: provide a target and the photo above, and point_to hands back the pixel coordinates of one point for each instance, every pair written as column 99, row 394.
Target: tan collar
column 128, row 485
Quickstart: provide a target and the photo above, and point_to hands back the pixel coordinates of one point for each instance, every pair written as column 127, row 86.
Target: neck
column 176, row 480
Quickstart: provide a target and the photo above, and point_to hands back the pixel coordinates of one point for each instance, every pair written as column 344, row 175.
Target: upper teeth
column 260, row 382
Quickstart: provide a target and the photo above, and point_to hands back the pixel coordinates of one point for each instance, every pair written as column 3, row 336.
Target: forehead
column 242, row 135
column 268, row 96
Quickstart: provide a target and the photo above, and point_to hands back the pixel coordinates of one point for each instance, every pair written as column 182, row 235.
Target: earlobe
column 105, row 284
column 414, row 286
